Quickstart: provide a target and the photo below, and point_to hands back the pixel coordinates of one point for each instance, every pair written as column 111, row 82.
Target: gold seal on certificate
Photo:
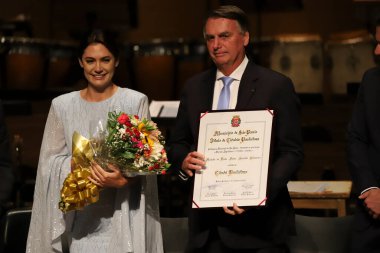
column 236, row 145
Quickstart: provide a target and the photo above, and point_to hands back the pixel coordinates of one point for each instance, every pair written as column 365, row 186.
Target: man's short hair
column 231, row 12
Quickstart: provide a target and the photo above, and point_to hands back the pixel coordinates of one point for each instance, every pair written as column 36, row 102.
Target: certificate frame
column 236, row 145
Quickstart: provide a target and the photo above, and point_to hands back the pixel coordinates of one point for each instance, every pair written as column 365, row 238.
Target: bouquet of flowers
column 135, row 145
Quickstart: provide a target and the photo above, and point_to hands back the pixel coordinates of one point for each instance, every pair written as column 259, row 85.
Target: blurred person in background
column 364, row 159
column 6, row 170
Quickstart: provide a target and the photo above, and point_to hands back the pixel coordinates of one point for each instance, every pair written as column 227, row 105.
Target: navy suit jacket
column 260, row 88
column 364, row 157
column 364, row 133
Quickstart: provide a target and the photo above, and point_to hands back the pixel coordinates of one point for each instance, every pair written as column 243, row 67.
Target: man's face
column 377, row 37
column 225, row 43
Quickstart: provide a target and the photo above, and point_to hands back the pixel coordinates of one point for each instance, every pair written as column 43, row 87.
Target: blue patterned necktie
column 224, row 97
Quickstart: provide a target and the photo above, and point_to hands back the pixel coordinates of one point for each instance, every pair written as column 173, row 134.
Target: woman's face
column 98, row 65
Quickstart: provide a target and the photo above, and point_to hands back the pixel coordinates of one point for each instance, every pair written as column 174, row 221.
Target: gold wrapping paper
column 78, row 191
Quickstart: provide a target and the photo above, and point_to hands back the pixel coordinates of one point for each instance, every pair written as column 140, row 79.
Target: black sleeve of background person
column 6, row 172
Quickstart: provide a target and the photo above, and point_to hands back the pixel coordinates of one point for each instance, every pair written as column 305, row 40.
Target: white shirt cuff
column 369, row 188
column 182, row 175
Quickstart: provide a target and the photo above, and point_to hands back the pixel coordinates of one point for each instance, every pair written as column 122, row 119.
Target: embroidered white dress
column 123, row 220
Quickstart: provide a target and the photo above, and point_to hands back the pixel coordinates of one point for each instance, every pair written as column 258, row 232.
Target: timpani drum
column 61, row 62
column 261, row 50
column 123, row 76
column 154, row 65
column 2, row 63
column 193, row 59
column 24, row 62
column 349, row 56
column 300, row 57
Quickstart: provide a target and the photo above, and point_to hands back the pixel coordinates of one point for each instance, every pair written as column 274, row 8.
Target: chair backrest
column 175, row 234
column 14, row 230
column 321, row 234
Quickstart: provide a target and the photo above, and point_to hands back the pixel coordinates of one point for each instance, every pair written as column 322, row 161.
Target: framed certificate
column 236, row 145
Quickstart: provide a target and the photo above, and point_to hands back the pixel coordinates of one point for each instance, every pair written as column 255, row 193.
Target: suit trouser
column 214, row 244
column 365, row 232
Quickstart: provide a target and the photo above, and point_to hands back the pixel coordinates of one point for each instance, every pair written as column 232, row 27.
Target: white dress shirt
column 234, row 87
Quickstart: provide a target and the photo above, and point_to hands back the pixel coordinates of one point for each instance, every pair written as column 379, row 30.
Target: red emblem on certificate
column 235, row 121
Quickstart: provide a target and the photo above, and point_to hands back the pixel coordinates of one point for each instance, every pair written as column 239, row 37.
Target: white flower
column 138, row 163
column 122, row 130
column 156, row 151
column 134, row 121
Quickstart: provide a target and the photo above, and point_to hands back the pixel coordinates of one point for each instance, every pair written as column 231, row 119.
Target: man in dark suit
column 364, row 159
column 234, row 228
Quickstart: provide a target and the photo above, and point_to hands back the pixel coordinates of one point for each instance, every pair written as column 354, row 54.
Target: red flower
column 163, row 172
column 136, row 132
column 147, row 153
column 123, row 118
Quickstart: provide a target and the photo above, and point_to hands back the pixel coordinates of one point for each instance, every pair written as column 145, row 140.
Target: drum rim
column 167, row 47
column 9, row 39
column 350, row 37
column 298, row 38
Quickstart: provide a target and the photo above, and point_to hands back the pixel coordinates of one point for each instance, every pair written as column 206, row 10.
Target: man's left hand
column 371, row 200
column 234, row 211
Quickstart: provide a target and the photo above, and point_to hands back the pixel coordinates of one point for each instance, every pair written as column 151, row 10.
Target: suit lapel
column 247, row 86
column 207, row 93
column 246, row 91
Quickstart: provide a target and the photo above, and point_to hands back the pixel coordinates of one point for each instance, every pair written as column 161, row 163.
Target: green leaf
column 128, row 155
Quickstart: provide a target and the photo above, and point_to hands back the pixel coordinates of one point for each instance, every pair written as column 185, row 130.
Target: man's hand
column 234, row 211
column 193, row 161
column 371, row 200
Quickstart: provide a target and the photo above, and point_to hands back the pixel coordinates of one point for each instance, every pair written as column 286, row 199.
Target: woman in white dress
column 126, row 217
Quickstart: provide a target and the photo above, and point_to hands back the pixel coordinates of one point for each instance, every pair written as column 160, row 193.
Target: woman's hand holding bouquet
column 129, row 146
column 110, row 178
